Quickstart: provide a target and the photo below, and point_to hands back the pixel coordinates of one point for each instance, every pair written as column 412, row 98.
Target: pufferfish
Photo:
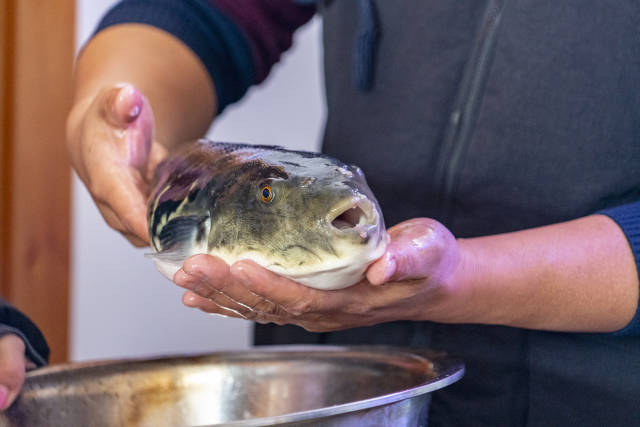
column 302, row 215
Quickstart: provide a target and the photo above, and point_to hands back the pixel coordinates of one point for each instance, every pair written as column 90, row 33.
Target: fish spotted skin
column 322, row 225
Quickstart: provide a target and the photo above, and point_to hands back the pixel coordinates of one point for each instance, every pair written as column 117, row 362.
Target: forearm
column 574, row 276
column 170, row 75
column 190, row 59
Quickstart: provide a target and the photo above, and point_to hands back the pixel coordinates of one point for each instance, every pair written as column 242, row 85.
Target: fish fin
column 168, row 262
column 179, row 239
column 181, row 231
column 169, row 256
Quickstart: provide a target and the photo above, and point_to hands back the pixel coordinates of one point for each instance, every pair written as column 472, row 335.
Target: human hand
column 13, row 365
column 111, row 146
column 416, row 279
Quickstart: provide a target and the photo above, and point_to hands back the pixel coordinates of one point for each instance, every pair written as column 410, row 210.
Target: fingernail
column 4, row 393
column 131, row 96
column 125, row 104
column 134, row 113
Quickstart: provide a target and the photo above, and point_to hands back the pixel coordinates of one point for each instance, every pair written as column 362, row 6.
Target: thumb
column 382, row 270
column 129, row 111
column 417, row 250
column 395, row 265
column 122, row 105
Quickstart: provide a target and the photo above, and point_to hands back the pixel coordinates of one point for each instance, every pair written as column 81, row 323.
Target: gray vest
column 493, row 116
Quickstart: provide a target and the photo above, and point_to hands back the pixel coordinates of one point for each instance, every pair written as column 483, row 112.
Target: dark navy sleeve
column 628, row 218
column 12, row 321
column 238, row 41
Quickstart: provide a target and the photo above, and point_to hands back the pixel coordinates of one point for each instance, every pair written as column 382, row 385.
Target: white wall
column 121, row 307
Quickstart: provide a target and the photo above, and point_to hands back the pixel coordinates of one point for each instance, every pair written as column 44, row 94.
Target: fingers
column 192, row 299
column 205, row 297
column 124, row 209
column 201, row 293
column 248, row 291
column 242, row 289
column 382, row 269
column 12, row 369
column 284, row 293
column 314, row 310
column 210, row 278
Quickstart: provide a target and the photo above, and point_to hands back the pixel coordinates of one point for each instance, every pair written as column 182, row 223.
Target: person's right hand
column 110, row 138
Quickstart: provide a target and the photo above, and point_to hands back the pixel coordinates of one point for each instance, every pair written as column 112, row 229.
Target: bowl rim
column 448, row 369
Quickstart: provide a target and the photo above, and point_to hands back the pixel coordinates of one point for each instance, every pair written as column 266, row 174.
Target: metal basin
column 293, row 385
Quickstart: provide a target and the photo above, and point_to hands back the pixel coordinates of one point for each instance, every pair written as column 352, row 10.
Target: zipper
column 465, row 108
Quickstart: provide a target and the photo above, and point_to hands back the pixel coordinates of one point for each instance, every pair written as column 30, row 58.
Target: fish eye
column 266, row 194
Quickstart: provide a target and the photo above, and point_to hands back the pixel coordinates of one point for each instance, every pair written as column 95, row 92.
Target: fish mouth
column 355, row 215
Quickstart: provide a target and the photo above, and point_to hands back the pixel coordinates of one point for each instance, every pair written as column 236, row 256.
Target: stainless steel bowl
column 293, row 385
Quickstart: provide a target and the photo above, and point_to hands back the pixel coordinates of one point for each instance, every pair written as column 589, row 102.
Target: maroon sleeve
column 268, row 26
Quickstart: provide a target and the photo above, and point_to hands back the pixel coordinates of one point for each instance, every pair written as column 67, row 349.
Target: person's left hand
column 13, row 366
column 414, row 280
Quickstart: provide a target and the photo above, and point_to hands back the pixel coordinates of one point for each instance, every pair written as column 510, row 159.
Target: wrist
column 451, row 294
column 482, row 279
column 465, row 282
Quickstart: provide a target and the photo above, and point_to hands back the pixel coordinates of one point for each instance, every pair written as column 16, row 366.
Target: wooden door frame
column 37, row 49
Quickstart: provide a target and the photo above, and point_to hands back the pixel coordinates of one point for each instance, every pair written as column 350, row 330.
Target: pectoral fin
column 179, row 239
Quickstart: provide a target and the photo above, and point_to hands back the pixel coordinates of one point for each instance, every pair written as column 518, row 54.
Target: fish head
column 299, row 214
column 303, row 215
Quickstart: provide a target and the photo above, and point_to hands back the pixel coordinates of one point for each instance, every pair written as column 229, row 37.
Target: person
column 510, row 125
column 22, row 348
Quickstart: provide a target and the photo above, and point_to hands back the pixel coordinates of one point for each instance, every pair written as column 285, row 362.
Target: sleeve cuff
column 29, row 349
column 215, row 39
column 628, row 219
column 13, row 321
